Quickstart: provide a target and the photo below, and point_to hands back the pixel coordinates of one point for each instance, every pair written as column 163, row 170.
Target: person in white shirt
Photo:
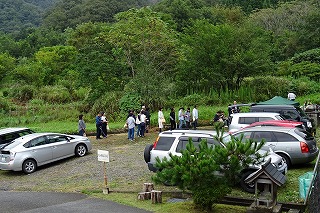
column 291, row 96
column 161, row 119
column 181, row 117
column 143, row 123
column 195, row 117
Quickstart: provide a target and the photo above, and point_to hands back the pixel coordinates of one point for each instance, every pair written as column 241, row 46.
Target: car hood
column 275, row 158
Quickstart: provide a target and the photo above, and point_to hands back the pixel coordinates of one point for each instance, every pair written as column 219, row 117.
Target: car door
column 288, row 144
column 39, row 149
column 61, row 146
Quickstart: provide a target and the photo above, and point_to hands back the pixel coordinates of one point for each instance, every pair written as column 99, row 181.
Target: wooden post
column 156, row 196
column 147, row 187
column 106, row 188
column 144, row 196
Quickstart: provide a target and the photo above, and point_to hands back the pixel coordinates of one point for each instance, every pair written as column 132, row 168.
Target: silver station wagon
column 28, row 152
column 294, row 145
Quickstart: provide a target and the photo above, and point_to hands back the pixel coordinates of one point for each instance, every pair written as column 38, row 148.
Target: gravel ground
column 126, row 171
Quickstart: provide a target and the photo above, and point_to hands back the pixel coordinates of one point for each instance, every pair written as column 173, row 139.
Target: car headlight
column 309, row 124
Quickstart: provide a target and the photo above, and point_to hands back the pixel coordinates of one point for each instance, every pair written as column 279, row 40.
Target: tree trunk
column 156, row 196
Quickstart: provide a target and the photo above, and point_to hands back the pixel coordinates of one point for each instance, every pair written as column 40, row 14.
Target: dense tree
column 7, row 64
column 16, row 15
column 219, row 57
column 70, row 13
column 149, row 50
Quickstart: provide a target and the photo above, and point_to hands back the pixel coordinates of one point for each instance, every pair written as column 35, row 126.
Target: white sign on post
column 103, row 156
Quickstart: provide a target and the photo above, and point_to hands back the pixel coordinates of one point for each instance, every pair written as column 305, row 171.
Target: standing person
column 161, row 119
column 181, row 117
column 104, row 124
column 291, row 96
column 81, row 126
column 131, row 124
column 143, row 123
column 195, row 117
column 138, row 123
column 148, row 117
column 187, row 118
column 235, row 108
column 173, row 124
column 98, row 125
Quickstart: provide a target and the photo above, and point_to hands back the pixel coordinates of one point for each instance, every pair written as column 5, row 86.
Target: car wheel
column 81, row 150
column 29, row 166
column 146, row 153
column 248, row 187
column 286, row 159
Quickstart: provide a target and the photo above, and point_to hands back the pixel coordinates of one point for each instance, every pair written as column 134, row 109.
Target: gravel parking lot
column 126, row 170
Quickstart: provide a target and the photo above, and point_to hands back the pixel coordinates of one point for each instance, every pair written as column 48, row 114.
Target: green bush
column 22, row 92
column 4, row 105
column 54, row 94
column 130, row 101
column 109, row 103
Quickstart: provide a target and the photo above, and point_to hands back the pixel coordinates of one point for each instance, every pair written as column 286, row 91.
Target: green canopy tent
column 277, row 100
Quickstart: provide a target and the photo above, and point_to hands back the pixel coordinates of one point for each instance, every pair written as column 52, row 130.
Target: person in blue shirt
column 98, row 125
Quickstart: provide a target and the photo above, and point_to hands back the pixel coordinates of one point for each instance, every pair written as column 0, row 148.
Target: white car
column 28, row 152
column 176, row 140
column 238, row 121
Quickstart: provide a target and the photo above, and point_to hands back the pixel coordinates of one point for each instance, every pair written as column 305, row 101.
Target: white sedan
column 30, row 151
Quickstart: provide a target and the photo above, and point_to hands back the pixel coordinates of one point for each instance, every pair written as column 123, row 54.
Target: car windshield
column 301, row 112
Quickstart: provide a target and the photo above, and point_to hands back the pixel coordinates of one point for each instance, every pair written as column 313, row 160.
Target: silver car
column 30, row 151
column 294, row 145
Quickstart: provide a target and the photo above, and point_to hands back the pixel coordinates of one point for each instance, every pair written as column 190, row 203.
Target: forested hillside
column 117, row 55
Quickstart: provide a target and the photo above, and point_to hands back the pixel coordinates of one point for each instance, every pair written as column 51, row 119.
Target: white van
column 241, row 120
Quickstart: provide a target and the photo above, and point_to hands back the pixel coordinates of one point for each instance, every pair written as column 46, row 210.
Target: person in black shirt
column 172, row 119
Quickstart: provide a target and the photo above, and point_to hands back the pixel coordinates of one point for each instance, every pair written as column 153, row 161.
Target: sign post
column 104, row 157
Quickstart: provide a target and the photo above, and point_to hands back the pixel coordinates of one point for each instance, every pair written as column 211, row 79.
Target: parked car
column 294, row 145
column 288, row 112
column 283, row 123
column 176, row 140
column 9, row 134
column 240, row 120
column 28, row 152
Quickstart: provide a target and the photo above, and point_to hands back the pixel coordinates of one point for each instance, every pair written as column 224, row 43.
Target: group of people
column 220, row 116
column 101, row 125
column 185, row 118
column 141, row 121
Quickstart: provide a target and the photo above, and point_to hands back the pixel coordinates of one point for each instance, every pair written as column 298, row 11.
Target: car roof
column 248, row 114
column 187, row 131
column 267, row 128
column 273, row 106
column 12, row 129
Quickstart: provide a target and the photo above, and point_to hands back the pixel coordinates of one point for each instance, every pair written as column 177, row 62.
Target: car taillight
column 12, row 154
column 304, row 147
column 155, row 143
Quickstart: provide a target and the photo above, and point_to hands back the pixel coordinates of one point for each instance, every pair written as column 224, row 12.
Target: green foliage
column 130, row 102
column 54, row 94
column 109, row 103
column 4, row 105
column 23, row 92
column 6, row 65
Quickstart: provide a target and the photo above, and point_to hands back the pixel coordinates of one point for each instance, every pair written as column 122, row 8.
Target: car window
column 56, row 138
column 304, row 134
column 25, row 132
column 183, row 141
column 265, row 118
column 37, row 142
column 246, row 135
column 281, row 136
column 291, row 114
column 164, row 143
column 7, row 138
column 247, row 120
column 267, row 136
